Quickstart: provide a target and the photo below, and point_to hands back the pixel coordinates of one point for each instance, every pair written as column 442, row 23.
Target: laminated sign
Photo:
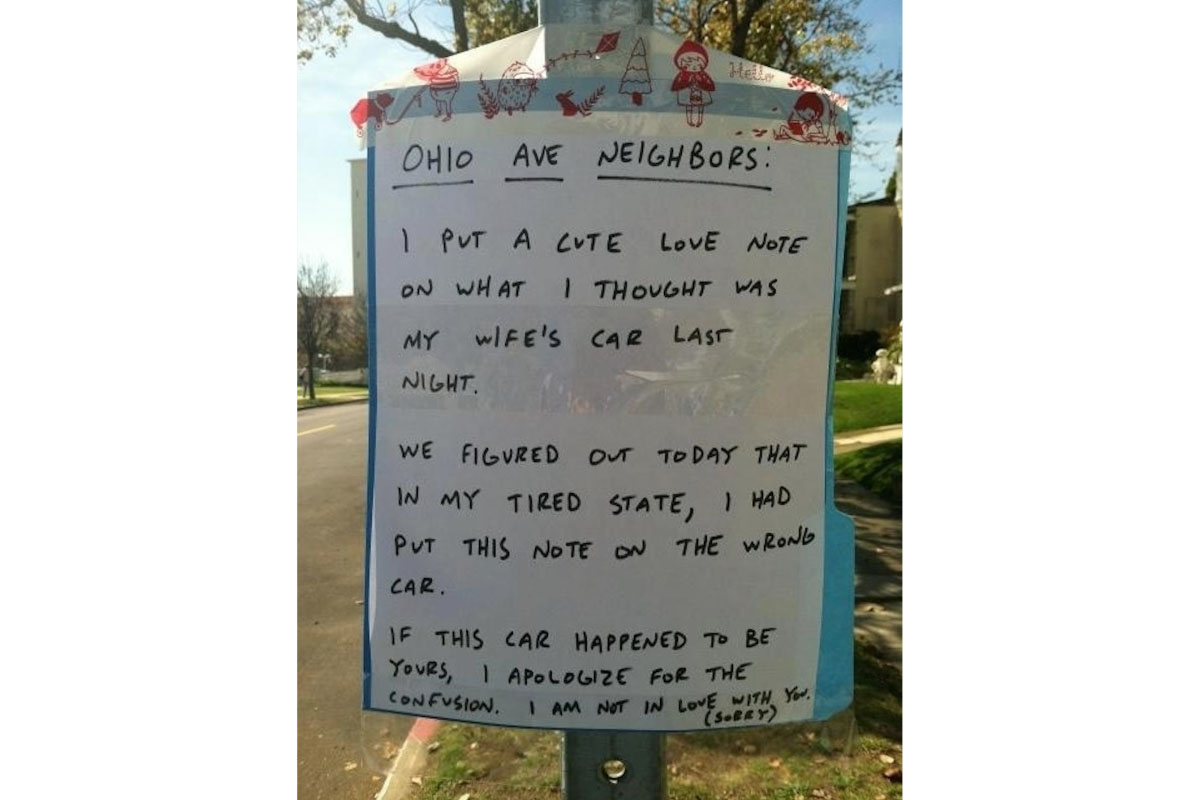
column 603, row 269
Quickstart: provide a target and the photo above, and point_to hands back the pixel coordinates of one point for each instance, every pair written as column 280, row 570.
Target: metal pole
column 608, row 765
column 613, row 12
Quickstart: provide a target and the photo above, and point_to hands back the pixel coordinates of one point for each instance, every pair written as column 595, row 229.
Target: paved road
column 333, row 731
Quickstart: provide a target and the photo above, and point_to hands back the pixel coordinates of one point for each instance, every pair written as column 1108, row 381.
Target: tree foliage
column 321, row 26
column 349, row 349
column 820, row 40
column 317, row 315
column 489, row 20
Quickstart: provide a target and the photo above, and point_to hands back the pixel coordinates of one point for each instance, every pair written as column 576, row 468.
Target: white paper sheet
column 601, row 363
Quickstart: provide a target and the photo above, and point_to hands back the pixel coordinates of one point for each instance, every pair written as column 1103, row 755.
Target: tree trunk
column 458, row 13
column 312, row 377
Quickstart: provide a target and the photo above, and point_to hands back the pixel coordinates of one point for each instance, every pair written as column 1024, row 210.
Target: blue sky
column 328, row 87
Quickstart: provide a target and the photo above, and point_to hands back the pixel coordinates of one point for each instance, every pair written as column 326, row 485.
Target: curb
column 409, row 760
column 849, row 441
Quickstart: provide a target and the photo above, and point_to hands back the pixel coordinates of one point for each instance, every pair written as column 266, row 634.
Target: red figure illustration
column 568, row 105
column 513, row 91
column 443, row 85
column 693, row 85
column 516, row 87
column 806, row 122
column 570, row 109
column 367, row 108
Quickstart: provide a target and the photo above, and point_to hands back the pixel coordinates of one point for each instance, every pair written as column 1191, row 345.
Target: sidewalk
column 878, row 574
column 856, row 440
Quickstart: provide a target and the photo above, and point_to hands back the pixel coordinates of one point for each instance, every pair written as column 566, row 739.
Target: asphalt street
column 343, row 752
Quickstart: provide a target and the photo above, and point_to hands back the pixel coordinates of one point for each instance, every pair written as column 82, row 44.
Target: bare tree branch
column 316, row 314
column 393, row 30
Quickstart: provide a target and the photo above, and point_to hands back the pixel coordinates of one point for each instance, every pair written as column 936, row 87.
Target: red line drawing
column 487, row 100
column 443, row 85
column 636, row 80
column 607, row 43
column 796, row 82
column 514, row 90
column 814, row 120
column 583, row 109
column 441, row 81
column 693, row 85
column 368, row 108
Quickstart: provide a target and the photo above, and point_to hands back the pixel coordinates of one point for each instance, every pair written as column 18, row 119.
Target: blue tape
column 373, row 402
column 835, row 661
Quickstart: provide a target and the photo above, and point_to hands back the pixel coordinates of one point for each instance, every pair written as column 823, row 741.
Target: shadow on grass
column 879, row 469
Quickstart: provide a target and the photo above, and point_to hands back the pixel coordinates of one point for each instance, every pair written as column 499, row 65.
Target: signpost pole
column 607, row 765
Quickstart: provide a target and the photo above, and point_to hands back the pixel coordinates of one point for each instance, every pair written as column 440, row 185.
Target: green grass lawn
column 877, row 469
column 328, row 394
column 782, row 762
column 858, row 405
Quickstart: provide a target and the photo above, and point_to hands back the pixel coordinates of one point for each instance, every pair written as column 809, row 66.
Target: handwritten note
column 597, row 475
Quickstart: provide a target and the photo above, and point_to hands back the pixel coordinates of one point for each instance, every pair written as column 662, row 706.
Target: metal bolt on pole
column 608, row 765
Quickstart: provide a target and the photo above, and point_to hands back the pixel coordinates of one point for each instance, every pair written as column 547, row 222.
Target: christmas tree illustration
column 636, row 80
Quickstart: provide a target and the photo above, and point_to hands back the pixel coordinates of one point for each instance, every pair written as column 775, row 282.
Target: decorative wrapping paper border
column 594, row 71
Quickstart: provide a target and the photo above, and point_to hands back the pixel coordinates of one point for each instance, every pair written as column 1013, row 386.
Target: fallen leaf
column 818, row 792
column 433, row 746
column 466, row 796
column 885, row 758
column 892, row 774
column 775, row 763
column 416, row 779
column 350, row 765
column 474, row 745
